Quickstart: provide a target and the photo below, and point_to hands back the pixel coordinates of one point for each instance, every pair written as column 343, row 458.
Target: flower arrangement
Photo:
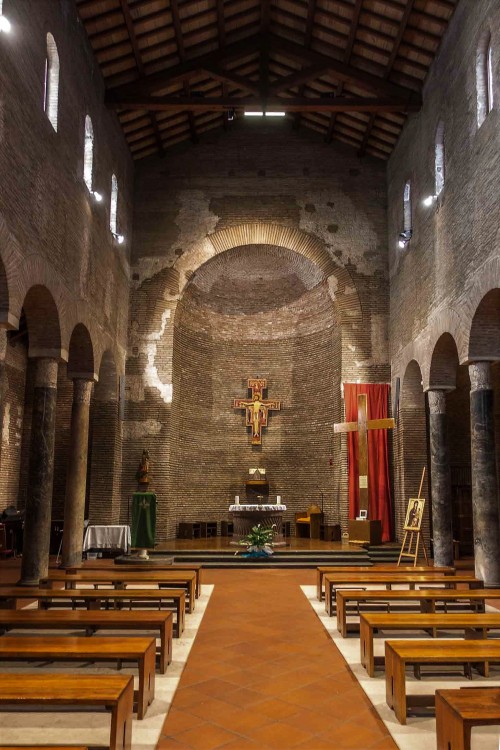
column 258, row 542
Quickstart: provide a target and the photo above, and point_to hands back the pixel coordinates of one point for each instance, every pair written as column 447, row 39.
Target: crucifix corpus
column 257, row 408
column 361, row 427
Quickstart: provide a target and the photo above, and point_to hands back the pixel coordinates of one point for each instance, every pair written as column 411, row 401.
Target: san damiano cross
column 257, row 408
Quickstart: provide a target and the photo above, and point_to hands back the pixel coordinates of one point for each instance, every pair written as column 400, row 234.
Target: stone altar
column 246, row 516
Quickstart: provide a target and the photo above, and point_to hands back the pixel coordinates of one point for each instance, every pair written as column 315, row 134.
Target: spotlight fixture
column 429, row 200
column 404, row 238
column 5, row 24
column 230, row 114
column 97, row 196
column 119, row 238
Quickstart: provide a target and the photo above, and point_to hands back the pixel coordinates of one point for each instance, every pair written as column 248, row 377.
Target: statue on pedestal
column 142, row 473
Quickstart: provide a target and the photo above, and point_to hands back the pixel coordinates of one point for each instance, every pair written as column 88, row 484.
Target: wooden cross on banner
column 257, row 408
column 361, row 427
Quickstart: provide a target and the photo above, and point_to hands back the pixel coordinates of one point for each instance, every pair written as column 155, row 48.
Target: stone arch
column 484, row 339
column 411, row 444
column 302, row 243
column 107, row 387
column 444, row 363
column 43, row 322
column 81, row 354
column 486, row 280
column 5, row 320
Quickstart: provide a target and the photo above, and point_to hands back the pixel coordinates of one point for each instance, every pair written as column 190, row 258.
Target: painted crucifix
column 257, row 408
column 361, row 427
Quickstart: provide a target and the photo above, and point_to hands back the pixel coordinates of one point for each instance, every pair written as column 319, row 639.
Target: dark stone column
column 442, row 529
column 35, row 561
column 485, row 512
column 74, row 502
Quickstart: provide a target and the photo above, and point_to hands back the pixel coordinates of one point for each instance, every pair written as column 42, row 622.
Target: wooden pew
column 93, row 620
column 323, row 570
column 457, row 711
column 354, row 580
column 424, row 600
column 416, row 652
column 118, row 579
column 472, row 624
column 47, row 648
column 114, row 693
column 106, row 565
column 10, row 596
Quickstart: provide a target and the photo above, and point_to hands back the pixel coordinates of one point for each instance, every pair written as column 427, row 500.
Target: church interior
column 249, row 374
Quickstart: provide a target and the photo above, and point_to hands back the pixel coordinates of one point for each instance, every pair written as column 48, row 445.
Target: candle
column 236, row 499
column 278, row 499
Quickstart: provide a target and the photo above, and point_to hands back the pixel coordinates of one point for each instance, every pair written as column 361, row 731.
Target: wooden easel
column 411, row 536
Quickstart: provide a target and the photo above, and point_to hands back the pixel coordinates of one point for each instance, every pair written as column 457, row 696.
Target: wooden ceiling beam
column 295, row 79
column 345, row 72
column 186, row 70
column 182, row 57
column 390, row 63
column 311, row 14
column 140, row 66
column 227, row 76
column 291, row 104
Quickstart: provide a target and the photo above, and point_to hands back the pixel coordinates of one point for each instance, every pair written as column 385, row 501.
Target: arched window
column 407, row 219
column 51, row 94
column 88, row 153
column 484, row 78
column 439, row 156
column 114, row 204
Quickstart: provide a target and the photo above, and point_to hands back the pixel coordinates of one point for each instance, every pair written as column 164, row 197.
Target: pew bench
column 457, row 711
column 472, row 625
column 399, row 654
column 92, row 621
column 323, row 570
column 122, row 580
column 92, row 599
column 114, row 693
column 423, row 600
column 150, row 565
column 354, row 580
column 47, row 648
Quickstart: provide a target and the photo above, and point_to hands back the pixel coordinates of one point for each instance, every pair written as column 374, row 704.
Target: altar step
column 287, row 558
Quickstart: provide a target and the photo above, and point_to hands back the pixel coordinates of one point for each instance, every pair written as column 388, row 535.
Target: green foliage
column 258, row 537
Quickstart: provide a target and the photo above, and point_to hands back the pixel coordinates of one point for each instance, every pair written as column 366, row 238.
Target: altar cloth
column 107, row 537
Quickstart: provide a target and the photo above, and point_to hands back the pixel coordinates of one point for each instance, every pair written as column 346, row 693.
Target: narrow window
column 88, row 153
column 114, row 204
column 407, row 207
column 489, row 77
column 51, row 94
column 484, row 78
column 439, row 154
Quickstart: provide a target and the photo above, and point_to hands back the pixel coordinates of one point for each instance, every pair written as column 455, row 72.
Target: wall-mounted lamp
column 97, row 196
column 5, row 24
column 429, row 200
column 404, row 238
column 119, row 238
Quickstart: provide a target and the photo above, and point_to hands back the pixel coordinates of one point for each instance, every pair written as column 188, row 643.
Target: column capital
column 437, row 401
column 82, row 390
column 46, row 372
column 480, row 376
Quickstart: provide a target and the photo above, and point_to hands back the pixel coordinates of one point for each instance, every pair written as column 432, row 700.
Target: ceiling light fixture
column 254, row 114
column 429, row 200
column 404, row 238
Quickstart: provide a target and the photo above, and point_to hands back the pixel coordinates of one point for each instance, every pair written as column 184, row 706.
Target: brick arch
column 81, row 353
column 302, row 243
column 444, row 363
column 43, row 321
column 486, row 280
column 107, row 386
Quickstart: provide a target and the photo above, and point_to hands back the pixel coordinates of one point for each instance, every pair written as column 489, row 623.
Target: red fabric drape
column 380, row 506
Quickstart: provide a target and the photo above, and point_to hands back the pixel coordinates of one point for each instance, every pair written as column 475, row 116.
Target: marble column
column 442, row 528
column 485, row 512
column 35, row 560
column 76, row 482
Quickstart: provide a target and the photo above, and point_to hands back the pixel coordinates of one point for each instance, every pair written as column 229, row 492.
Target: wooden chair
column 307, row 523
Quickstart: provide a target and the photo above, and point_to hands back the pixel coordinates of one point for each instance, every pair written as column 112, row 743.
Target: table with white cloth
column 268, row 516
column 107, row 537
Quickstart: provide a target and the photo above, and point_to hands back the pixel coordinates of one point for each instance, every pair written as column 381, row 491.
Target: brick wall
column 194, row 341
column 52, row 233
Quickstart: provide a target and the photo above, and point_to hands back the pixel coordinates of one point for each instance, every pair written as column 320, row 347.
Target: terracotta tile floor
column 263, row 674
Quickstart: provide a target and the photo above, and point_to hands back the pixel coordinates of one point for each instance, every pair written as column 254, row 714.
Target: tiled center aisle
column 263, row 673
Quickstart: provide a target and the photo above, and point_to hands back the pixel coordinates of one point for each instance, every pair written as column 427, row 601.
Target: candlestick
column 278, row 499
column 236, row 499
